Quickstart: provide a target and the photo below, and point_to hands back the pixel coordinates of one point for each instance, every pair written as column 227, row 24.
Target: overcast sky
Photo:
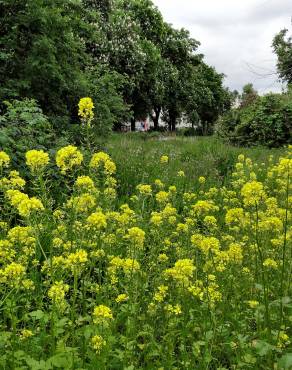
column 235, row 36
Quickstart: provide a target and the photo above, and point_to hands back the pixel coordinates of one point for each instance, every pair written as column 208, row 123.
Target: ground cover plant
column 173, row 278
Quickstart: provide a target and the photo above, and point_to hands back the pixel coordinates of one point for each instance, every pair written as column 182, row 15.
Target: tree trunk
column 172, row 121
column 156, row 118
column 133, row 124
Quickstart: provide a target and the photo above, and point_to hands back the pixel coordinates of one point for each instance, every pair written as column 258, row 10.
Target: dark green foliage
column 266, row 121
column 282, row 46
column 42, row 56
column 25, row 126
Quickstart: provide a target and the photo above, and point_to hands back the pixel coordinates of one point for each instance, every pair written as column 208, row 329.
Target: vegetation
column 259, row 120
column 180, row 272
column 121, row 53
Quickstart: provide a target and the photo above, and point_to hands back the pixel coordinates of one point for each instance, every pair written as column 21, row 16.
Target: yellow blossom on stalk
column 57, row 294
column 25, row 333
column 159, row 183
column 37, row 160
column 68, row 157
column 283, row 340
column 252, row 193
column 102, row 314
column 253, row 304
column 144, row 189
column 156, row 219
column 26, row 207
column 161, row 293
column 4, row 159
column 12, row 274
column 136, row 236
column 85, row 111
column 270, row 263
column 202, row 180
column 182, row 228
column 235, row 252
column 98, row 343
column 203, row 207
column 85, row 184
column 103, row 159
column 76, row 259
column 83, row 203
column 14, row 181
column 121, row 298
column 241, row 158
column 16, row 197
column 162, row 196
column 210, row 222
column 181, row 174
column 176, row 309
column 182, row 271
column 97, row 220
column 128, row 265
column 163, row 257
column 164, row 159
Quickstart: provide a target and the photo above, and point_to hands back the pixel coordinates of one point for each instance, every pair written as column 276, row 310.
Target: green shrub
column 267, row 121
column 23, row 126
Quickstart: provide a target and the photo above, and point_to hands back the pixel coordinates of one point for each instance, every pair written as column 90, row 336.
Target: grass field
column 137, row 157
column 162, row 254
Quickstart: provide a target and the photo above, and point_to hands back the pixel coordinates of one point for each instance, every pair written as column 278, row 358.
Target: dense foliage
column 171, row 278
column 259, row 120
column 121, row 53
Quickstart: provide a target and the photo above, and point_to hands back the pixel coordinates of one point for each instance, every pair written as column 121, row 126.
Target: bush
column 23, row 126
column 267, row 121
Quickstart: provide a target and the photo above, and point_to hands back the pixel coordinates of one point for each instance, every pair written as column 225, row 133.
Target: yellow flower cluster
column 102, row 314
column 85, row 111
column 68, row 157
column 4, row 159
column 37, row 160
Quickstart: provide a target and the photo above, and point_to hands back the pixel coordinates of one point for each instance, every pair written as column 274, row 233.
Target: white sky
column 235, row 36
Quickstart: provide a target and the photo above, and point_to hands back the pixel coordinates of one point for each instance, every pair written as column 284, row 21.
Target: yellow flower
column 136, row 236
column 84, row 183
column 57, row 294
column 25, row 333
column 103, row 159
column 162, row 197
column 253, row 304
column 102, row 314
column 85, row 111
column 68, row 157
column 176, row 310
column 27, row 206
column 37, row 160
column 164, row 159
column 97, row 220
column 182, row 271
column 161, row 293
column 121, row 298
column 252, row 193
column 202, row 180
column 4, row 159
column 283, row 340
column 76, row 259
column 181, row 174
column 270, row 263
column 144, row 189
column 98, row 343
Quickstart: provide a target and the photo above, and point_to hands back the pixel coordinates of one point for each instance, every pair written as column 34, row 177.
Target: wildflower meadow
column 172, row 278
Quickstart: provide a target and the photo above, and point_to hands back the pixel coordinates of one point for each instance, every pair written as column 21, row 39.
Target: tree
column 248, row 96
column 282, row 46
column 42, row 56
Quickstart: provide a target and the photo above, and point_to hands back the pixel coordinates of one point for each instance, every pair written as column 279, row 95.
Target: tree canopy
column 56, row 51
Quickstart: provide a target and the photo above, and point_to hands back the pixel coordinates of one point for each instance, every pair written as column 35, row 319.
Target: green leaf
column 285, row 361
